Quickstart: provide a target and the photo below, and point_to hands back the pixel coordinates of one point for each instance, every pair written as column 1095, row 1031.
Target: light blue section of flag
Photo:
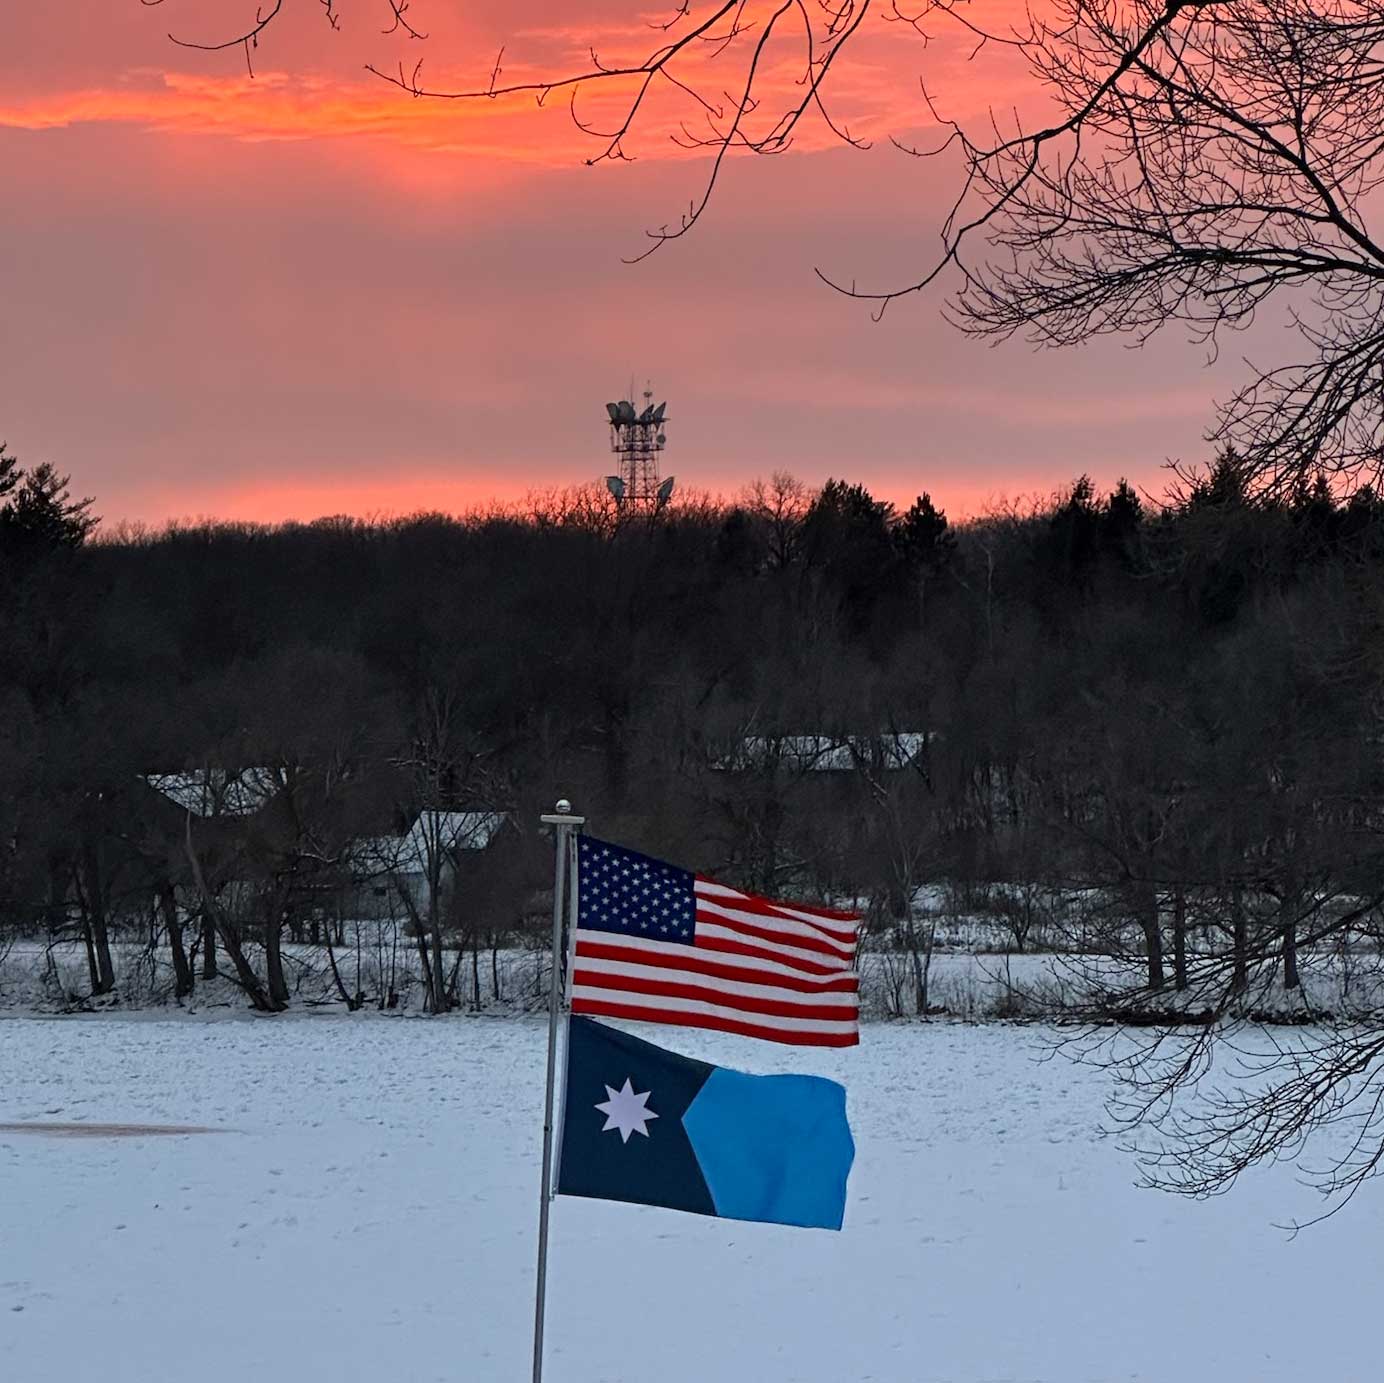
column 774, row 1148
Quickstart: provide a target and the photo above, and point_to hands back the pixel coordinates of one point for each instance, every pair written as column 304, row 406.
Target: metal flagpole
column 570, row 960
column 564, row 824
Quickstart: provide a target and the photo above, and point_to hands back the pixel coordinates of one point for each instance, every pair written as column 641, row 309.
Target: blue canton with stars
column 623, row 891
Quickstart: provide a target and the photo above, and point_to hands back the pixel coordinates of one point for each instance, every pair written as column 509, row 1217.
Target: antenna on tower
column 636, row 438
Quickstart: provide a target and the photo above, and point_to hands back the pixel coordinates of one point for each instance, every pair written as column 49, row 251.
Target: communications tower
column 637, row 437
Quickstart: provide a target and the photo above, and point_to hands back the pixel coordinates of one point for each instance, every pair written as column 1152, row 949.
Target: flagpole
column 570, row 960
column 564, row 824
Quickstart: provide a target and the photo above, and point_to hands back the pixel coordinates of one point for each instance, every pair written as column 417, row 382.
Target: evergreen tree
column 9, row 472
column 924, row 538
column 1221, row 488
column 1073, row 540
column 1360, row 518
column 40, row 512
column 1124, row 513
column 1316, row 519
column 842, row 516
column 1121, row 521
column 846, row 536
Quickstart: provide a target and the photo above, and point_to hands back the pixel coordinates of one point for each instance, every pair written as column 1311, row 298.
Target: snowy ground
column 366, row 1211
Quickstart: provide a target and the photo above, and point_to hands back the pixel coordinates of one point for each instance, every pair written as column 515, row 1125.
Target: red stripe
column 682, row 957
column 635, row 1014
column 762, row 907
column 802, row 943
column 671, row 989
column 740, row 948
column 831, row 914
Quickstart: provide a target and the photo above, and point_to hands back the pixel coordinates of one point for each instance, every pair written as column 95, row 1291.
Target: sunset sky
column 305, row 292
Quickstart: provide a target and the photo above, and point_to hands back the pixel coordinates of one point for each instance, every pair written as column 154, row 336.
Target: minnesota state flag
column 646, row 1125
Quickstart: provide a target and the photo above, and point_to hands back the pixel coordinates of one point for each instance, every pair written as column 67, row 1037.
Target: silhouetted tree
column 1073, row 540
column 846, row 539
column 39, row 512
column 1121, row 522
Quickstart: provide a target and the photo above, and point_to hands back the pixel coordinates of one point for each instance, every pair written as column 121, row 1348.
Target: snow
column 365, row 1208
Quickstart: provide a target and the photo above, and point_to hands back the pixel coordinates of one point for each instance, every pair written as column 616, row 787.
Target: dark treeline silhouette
column 1173, row 710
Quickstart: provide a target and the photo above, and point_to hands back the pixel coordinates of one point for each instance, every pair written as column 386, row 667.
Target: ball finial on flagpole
column 564, row 806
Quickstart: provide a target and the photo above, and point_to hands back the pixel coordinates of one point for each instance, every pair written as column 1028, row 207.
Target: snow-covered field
column 366, row 1210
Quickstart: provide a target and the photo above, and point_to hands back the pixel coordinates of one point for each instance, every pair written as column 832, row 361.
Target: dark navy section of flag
column 622, row 1133
column 631, row 894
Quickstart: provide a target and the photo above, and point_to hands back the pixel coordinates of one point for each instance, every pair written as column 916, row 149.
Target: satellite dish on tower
column 637, row 438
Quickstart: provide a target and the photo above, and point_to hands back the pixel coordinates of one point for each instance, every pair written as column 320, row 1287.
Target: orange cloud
column 316, row 89
column 869, row 91
column 274, row 106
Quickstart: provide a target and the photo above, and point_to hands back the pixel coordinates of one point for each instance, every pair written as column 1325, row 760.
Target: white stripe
column 730, row 897
column 788, row 953
column 778, row 926
column 709, row 888
column 589, row 970
column 699, row 1008
column 749, row 964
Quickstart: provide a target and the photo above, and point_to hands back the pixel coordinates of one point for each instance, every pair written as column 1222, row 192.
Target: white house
column 390, row 866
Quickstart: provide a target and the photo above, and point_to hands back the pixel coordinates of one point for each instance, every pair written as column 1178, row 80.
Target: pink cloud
column 302, row 295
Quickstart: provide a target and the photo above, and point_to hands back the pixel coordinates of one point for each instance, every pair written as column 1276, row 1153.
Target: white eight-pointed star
column 626, row 1111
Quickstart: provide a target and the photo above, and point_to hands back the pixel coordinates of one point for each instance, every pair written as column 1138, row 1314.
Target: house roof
column 217, row 791
column 431, row 831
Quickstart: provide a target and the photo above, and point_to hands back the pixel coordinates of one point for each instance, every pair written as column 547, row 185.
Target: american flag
column 657, row 944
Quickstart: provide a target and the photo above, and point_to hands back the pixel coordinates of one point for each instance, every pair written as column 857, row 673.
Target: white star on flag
column 626, row 1111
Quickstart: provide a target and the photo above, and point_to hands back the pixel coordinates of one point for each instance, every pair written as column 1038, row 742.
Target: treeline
column 1175, row 707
